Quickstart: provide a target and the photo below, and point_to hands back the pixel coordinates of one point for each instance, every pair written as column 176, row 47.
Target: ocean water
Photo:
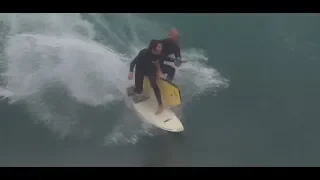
column 249, row 90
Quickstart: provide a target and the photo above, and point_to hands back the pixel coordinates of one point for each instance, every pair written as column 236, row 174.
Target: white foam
column 57, row 51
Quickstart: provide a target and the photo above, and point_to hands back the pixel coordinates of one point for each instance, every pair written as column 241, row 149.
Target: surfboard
column 147, row 106
column 170, row 93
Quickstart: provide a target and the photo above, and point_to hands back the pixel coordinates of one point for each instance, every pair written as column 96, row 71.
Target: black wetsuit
column 145, row 66
column 169, row 47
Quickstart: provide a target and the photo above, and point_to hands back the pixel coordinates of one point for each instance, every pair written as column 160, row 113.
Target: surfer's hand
column 177, row 62
column 160, row 75
column 183, row 60
column 130, row 76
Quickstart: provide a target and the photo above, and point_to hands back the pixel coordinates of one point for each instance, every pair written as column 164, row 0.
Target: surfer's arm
column 159, row 72
column 177, row 52
column 135, row 60
column 133, row 63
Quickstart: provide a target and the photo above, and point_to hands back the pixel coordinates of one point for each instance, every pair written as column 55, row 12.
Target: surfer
column 147, row 64
column 170, row 46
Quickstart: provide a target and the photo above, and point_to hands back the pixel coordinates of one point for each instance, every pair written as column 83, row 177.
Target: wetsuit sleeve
column 177, row 53
column 135, row 60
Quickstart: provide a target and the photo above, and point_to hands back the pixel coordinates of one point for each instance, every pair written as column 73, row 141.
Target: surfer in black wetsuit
column 147, row 64
column 170, row 46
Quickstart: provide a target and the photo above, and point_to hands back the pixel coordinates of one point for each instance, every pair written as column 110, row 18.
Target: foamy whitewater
column 57, row 64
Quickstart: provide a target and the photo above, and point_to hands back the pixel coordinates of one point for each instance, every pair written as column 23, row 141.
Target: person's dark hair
column 153, row 44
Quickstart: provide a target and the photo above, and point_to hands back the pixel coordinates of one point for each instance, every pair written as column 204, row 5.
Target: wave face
column 70, row 71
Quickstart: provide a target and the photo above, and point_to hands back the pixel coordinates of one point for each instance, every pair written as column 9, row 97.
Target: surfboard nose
column 180, row 129
column 173, row 125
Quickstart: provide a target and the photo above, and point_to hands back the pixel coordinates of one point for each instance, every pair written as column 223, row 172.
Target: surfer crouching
column 170, row 45
column 147, row 64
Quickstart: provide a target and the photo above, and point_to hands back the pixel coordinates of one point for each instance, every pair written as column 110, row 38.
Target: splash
column 57, row 65
column 54, row 67
column 84, row 71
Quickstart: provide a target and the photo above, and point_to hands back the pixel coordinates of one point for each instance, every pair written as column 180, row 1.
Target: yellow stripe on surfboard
column 170, row 93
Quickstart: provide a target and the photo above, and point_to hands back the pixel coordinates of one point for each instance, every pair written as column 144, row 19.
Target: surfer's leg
column 138, row 96
column 153, row 82
column 169, row 70
column 139, row 75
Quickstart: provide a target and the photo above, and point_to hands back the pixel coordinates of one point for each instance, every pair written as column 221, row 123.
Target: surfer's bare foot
column 159, row 110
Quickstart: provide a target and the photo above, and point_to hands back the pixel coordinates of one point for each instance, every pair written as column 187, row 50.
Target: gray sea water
column 250, row 90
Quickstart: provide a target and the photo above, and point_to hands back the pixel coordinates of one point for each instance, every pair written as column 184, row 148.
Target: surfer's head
column 155, row 47
column 173, row 35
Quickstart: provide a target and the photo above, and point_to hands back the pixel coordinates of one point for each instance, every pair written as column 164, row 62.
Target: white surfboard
column 167, row 119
